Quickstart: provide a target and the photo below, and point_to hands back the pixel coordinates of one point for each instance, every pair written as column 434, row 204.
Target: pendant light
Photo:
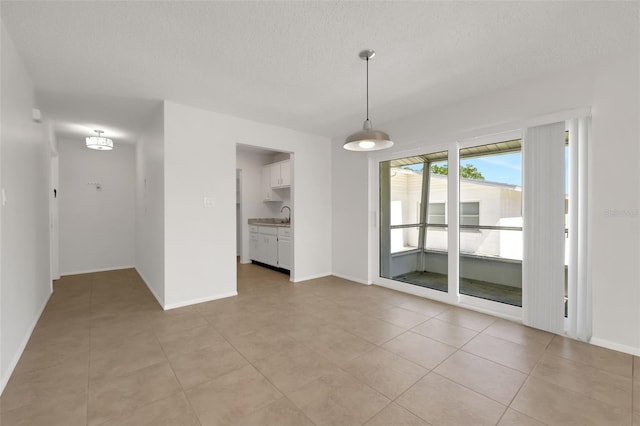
column 368, row 139
column 99, row 142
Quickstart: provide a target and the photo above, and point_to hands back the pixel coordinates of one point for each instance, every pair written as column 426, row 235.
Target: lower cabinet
column 268, row 249
column 270, row 245
column 284, row 248
column 254, row 244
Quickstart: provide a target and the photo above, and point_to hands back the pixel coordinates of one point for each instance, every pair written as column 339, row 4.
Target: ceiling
column 295, row 64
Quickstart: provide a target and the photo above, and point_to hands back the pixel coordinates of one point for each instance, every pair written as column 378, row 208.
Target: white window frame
column 479, row 136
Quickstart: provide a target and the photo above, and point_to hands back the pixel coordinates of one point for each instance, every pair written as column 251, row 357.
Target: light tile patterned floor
column 323, row 352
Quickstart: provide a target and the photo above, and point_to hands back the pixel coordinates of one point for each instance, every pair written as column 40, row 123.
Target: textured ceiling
column 295, row 64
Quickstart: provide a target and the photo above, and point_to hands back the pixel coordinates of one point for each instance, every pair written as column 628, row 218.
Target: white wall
column 96, row 226
column 25, row 283
column 352, row 218
column 611, row 89
column 200, row 161
column 149, row 216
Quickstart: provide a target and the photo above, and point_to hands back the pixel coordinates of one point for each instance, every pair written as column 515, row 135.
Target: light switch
column 208, row 202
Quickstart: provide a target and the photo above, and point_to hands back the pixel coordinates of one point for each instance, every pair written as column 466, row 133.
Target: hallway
column 323, row 352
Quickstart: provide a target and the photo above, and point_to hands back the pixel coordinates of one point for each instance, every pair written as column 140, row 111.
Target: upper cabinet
column 268, row 193
column 280, row 174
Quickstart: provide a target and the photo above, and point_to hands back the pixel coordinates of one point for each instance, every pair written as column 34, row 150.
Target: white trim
column 520, row 125
column 373, row 235
column 490, row 138
column 467, row 134
column 410, row 151
column 356, row 280
column 497, row 309
column 311, row 277
column 557, row 116
column 416, row 290
column 91, row 271
column 453, row 223
column 614, row 346
column 23, row 345
column 200, row 300
column 144, row 280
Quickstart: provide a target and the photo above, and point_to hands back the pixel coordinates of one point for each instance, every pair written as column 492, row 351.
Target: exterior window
column 436, row 214
column 470, row 214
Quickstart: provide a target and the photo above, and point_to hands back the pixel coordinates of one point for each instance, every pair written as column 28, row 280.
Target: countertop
column 269, row 221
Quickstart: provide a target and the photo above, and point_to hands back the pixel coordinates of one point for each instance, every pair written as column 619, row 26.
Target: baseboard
column 311, row 277
column 91, row 271
column 200, row 300
column 615, row 346
column 158, row 299
column 23, row 345
column 357, row 280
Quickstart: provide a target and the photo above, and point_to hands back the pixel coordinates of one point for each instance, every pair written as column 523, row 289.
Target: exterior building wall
column 499, row 205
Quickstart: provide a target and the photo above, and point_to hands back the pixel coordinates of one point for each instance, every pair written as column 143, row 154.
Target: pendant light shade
column 99, row 142
column 368, row 139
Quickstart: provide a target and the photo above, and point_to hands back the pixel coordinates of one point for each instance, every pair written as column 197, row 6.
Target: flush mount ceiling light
column 368, row 139
column 99, row 142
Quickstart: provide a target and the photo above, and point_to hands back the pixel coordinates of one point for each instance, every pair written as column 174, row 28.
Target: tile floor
column 323, row 352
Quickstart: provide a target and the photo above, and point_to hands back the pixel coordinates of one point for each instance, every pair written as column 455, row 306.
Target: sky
column 503, row 168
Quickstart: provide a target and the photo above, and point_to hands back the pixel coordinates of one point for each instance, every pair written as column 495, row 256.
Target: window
column 436, row 214
column 470, row 214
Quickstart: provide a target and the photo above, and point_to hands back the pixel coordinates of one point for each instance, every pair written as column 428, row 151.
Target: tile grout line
column 182, row 389
column 425, row 375
column 284, row 395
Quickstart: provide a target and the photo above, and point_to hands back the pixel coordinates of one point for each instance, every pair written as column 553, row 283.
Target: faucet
column 289, row 208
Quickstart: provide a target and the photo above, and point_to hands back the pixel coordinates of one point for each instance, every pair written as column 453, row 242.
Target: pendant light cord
column 367, row 88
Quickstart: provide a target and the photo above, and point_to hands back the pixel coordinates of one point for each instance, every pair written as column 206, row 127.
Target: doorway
column 265, row 210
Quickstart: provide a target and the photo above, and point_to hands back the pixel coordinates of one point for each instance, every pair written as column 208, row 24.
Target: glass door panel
column 491, row 222
column 413, row 233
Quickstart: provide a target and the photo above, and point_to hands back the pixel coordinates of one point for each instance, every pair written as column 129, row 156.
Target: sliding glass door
column 491, row 222
column 414, row 228
column 513, row 215
column 413, row 219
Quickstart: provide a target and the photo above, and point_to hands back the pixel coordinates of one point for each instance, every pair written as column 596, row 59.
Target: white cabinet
column 264, row 244
column 271, row 245
column 254, row 243
column 276, row 176
column 280, row 174
column 284, row 248
column 268, row 193
column 268, row 249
